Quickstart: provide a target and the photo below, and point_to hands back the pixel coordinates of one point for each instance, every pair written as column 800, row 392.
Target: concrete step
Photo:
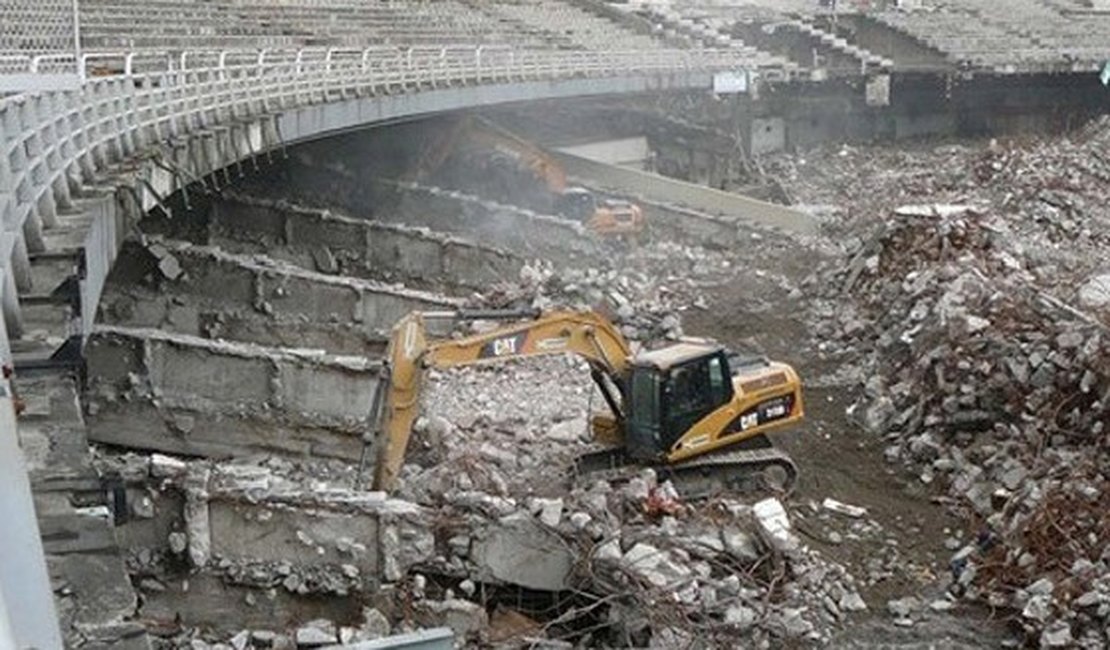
column 70, row 232
column 49, row 271
column 160, row 391
column 207, row 292
column 47, row 326
column 87, row 570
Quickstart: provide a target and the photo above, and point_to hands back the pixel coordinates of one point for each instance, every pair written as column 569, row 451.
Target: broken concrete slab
column 842, row 508
column 774, row 525
column 1095, row 292
column 256, row 299
column 517, row 550
column 212, row 398
column 464, row 618
column 362, row 248
column 259, row 528
column 658, row 568
column 507, row 226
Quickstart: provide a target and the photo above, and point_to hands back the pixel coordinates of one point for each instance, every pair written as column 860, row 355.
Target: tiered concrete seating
column 1011, row 36
column 1061, row 30
column 712, row 23
column 195, row 24
column 571, row 25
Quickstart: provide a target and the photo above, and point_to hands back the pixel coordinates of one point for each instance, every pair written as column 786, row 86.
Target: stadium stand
column 258, row 23
column 1016, row 36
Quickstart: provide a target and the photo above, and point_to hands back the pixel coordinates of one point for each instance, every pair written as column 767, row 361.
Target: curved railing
column 129, row 101
column 130, row 96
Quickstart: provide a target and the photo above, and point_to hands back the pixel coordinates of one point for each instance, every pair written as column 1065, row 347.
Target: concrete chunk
column 519, row 551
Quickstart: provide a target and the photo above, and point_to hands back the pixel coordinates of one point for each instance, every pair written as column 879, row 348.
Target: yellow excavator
column 694, row 412
column 605, row 217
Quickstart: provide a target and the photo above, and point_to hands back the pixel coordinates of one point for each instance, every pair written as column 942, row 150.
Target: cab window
column 719, row 381
column 694, row 390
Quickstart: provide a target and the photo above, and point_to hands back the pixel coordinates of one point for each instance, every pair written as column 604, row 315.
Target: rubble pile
column 506, row 429
column 630, row 563
column 981, row 322
column 644, row 290
column 623, row 564
column 637, row 567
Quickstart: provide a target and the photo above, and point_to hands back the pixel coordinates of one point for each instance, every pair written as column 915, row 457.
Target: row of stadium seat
column 164, row 24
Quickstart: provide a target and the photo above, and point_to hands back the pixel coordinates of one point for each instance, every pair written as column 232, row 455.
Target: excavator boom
column 582, row 333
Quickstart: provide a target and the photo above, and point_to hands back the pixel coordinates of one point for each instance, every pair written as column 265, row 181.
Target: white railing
column 129, row 101
column 45, row 135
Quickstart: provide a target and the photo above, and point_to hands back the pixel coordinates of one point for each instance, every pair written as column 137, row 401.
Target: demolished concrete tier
column 206, row 292
column 518, row 229
column 155, row 390
column 321, row 240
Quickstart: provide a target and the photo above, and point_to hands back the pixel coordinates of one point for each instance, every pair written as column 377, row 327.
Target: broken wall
column 360, row 248
column 149, row 389
column 523, row 231
column 258, row 544
column 206, row 292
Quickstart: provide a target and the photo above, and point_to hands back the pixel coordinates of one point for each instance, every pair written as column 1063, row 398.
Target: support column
column 26, row 600
column 48, row 208
column 9, row 305
column 20, row 263
column 32, row 233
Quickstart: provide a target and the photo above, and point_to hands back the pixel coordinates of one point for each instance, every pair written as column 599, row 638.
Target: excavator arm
column 585, row 334
column 481, row 132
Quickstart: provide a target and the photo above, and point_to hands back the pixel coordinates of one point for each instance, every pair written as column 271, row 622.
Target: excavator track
column 752, row 470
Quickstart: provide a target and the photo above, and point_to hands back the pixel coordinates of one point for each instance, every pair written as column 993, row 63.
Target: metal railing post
column 77, row 41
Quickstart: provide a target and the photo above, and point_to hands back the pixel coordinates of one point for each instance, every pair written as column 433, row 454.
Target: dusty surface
column 511, row 548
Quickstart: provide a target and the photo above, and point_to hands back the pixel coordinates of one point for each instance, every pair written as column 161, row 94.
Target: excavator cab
column 608, row 217
column 671, row 389
column 577, row 203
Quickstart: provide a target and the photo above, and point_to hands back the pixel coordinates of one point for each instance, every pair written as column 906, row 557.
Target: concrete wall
column 215, row 294
column 155, row 390
column 624, row 151
column 361, row 248
column 262, row 534
column 206, row 600
column 524, row 232
column 653, row 187
column 352, row 178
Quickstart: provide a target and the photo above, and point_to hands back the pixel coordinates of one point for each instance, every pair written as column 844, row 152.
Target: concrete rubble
column 484, row 521
column 973, row 297
column 495, row 445
column 969, row 292
column 271, row 531
column 254, row 298
column 644, row 291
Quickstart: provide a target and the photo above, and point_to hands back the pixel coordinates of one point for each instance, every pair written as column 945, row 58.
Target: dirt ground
column 837, row 458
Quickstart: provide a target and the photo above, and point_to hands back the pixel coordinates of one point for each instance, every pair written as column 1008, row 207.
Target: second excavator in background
column 692, row 410
column 521, row 172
